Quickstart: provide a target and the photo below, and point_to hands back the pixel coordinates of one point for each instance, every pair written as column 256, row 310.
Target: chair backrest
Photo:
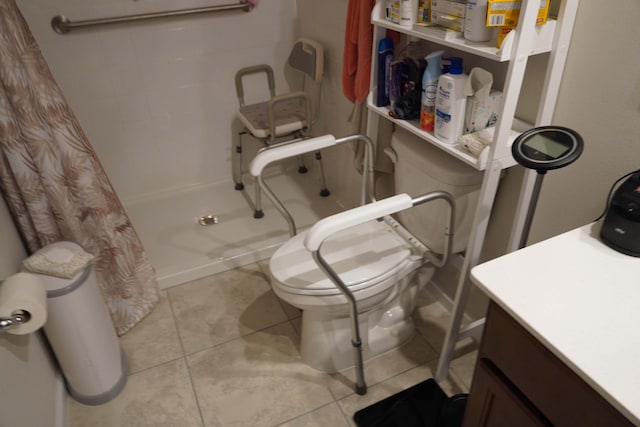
column 307, row 56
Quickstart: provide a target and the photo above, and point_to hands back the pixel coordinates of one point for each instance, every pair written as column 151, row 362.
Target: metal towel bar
column 62, row 25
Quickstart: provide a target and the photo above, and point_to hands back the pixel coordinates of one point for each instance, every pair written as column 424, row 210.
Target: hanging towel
column 358, row 39
column 356, row 72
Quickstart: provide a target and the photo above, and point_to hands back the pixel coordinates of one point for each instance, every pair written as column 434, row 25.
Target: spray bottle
column 429, row 90
column 451, row 102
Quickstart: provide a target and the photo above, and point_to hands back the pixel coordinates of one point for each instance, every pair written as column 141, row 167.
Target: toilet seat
column 363, row 256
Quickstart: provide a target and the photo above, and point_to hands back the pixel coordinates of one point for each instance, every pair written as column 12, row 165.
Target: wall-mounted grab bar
column 62, row 25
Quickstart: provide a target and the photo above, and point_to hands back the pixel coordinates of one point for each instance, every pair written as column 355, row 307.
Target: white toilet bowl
column 382, row 271
column 381, row 263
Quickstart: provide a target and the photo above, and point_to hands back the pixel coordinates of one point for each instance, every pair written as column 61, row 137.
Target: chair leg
column 324, row 192
column 238, row 178
column 258, row 213
column 302, row 168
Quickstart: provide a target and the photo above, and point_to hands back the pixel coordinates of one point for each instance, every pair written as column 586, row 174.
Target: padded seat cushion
column 289, row 117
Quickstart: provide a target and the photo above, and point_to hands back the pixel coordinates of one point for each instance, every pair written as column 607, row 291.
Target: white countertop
column 581, row 299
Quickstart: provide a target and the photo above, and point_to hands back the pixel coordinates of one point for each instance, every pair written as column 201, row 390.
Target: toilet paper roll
column 24, row 291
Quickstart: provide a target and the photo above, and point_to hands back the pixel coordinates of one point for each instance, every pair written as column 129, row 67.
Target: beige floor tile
column 413, row 353
column 432, row 321
column 327, row 416
column 257, row 380
column 264, row 266
column 160, row 396
column 297, row 324
column 463, row 367
column 351, row 404
column 154, row 340
column 222, row 307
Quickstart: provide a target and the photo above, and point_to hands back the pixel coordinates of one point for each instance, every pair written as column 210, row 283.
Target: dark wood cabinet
column 518, row 382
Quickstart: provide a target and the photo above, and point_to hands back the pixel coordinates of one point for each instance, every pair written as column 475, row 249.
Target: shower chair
column 370, row 209
column 285, row 118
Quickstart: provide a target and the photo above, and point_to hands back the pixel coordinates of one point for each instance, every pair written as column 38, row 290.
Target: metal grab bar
column 268, row 155
column 341, row 221
column 62, row 25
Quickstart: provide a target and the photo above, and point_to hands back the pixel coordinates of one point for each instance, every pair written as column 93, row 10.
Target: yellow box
column 506, row 12
column 502, row 33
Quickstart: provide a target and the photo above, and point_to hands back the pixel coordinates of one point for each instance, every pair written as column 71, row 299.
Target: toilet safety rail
column 62, row 25
column 270, row 154
column 326, row 227
column 370, row 210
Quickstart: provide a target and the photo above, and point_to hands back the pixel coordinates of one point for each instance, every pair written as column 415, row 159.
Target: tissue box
column 481, row 114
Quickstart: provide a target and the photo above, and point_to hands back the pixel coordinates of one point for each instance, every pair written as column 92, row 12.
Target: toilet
column 380, row 267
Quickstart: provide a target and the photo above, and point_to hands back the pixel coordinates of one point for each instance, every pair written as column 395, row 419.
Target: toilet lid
column 358, row 255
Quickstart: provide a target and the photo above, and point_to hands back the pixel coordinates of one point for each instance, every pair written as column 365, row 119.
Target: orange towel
column 358, row 39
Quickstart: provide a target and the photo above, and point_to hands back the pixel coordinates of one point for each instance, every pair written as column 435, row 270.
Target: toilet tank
column 420, row 167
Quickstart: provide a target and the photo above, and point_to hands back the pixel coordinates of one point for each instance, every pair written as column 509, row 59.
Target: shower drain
column 208, row 220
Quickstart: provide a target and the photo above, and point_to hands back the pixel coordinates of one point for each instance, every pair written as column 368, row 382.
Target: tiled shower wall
column 157, row 98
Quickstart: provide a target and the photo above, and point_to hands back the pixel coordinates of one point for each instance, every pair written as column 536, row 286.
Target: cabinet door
column 494, row 402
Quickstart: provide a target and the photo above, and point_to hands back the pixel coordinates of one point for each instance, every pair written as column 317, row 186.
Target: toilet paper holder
column 18, row 317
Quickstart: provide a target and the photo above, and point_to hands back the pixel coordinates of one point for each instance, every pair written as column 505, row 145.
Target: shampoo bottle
column 429, row 90
column 451, row 102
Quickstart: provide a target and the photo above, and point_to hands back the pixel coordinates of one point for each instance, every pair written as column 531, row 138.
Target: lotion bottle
column 451, row 100
column 429, row 90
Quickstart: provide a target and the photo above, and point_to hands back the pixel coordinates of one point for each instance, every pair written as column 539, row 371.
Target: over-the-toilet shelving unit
column 527, row 39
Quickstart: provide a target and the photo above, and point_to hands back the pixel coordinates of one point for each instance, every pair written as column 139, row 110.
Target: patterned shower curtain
column 53, row 181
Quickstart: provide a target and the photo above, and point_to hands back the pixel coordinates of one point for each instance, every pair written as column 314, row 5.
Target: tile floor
column 224, row 351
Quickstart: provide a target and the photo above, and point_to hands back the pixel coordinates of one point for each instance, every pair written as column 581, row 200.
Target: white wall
column 325, row 22
column 32, row 391
column 600, row 98
column 157, row 99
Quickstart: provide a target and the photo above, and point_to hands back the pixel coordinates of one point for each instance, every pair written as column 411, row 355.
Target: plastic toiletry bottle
column 408, row 12
column 385, row 56
column 429, row 90
column 451, row 101
column 475, row 22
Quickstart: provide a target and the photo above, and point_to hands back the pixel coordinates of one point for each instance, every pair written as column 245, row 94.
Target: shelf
column 488, row 50
column 413, row 126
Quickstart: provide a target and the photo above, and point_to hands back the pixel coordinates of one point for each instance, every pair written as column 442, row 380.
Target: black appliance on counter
column 621, row 226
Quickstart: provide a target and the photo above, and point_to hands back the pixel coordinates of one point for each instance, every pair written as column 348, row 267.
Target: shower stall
column 156, row 99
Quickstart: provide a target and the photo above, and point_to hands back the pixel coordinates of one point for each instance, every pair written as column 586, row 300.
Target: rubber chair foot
column 258, row 214
column 324, row 193
column 239, row 186
column 303, row 169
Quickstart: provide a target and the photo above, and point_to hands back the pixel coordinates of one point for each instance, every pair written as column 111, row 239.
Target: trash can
column 79, row 327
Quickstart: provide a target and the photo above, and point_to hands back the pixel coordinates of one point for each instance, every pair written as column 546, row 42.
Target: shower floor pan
column 182, row 249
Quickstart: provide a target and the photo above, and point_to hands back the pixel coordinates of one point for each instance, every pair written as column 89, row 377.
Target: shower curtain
column 53, row 181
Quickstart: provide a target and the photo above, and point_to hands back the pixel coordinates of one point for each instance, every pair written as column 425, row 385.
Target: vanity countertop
column 581, row 299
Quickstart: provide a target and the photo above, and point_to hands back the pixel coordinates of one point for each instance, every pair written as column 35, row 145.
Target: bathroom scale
column 423, row 405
